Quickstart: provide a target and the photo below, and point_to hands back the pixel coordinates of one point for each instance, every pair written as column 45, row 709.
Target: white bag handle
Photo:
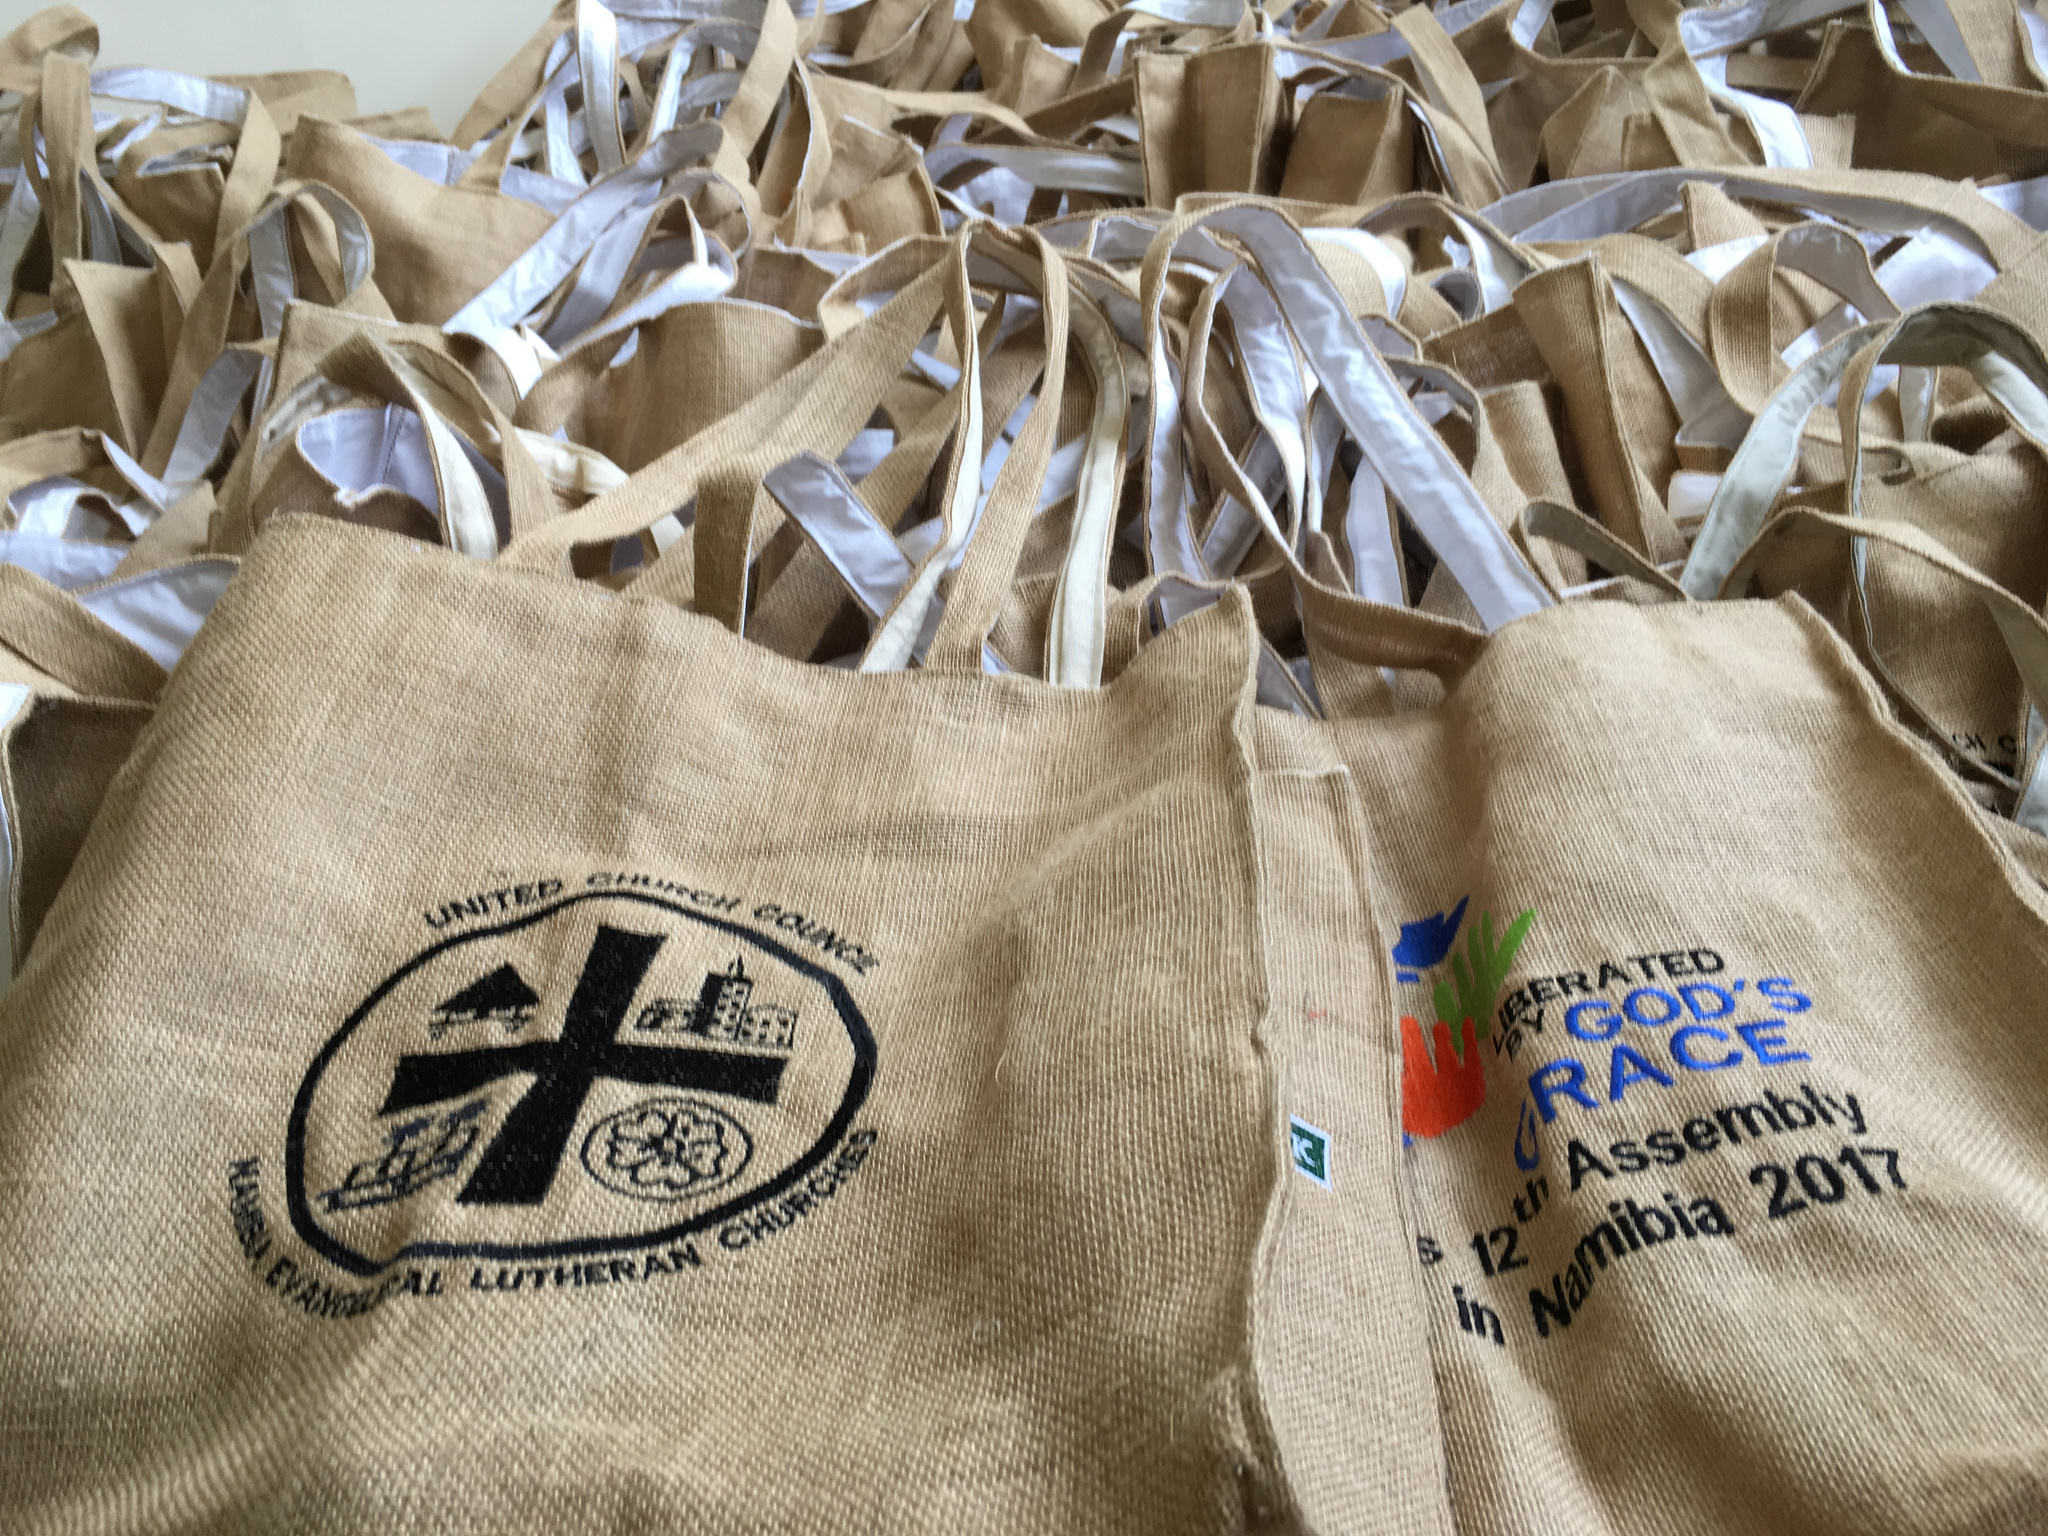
column 1763, row 464
column 1593, row 206
column 539, row 270
column 1404, row 452
column 2009, row 366
column 2022, row 629
column 1080, row 609
column 873, row 562
column 2003, row 358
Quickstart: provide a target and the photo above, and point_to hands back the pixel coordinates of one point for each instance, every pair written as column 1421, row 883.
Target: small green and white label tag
column 1311, row 1150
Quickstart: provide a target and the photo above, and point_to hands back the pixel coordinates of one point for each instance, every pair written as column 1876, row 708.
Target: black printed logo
column 607, row 1073
column 667, row 1149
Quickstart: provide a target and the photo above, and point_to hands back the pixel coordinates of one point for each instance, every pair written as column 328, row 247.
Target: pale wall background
column 400, row 53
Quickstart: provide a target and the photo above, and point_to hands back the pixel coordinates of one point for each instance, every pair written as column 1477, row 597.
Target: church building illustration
column 502, row 995
column 722, row 1011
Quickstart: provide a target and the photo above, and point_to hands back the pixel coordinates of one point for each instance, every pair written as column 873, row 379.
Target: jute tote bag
column 1341, row 1307
column 618, row 1078
column 1726, row 1166
column 1680, row 967
column 438, row 245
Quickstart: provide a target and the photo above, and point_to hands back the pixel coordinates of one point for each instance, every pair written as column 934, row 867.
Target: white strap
column 161, row 610
column 543, row 266
column 469, row 522
column 601, row 276
column 1063, row 170
column 597, row 54
column 691, row 284
column 1708, row 33
column 208, row 416
column 1929, row 268
column 1763, row 464
column 14, row 704
column 1379, row 49
column 211, row 99
column 1612, row 205
column 875, row 567
column 1080, row 610
column 913, row 619
column 1414, row 464
column 1707, row 414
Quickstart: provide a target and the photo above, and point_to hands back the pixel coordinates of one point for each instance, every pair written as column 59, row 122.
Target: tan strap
column 986, row 574
column 47, row 627
column 1575, row 530
column 2024, row 631
column 441, row 393
column 829, row 395
column 250, row 174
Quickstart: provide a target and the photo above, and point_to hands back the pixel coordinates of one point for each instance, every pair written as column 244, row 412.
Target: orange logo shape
column 1437, row 1095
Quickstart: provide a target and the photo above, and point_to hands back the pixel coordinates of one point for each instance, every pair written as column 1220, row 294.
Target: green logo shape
column 1477, row 974
column 1311, row 1150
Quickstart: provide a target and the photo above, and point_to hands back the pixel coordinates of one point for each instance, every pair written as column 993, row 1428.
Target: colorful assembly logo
column 1445, row 1090
column 608, row 1073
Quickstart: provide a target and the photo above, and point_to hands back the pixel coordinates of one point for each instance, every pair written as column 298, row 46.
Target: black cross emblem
column 519, row 1164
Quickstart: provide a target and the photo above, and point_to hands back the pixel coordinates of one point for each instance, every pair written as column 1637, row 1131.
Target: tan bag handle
column 1684, row 111
column 62, row 29
column 1762, row 464
column 713, row 571
column 803, row 486
column 248, row 131
column 1739, row 312
column 2011, row 114
column 1890, row 200
column 1449, row 87
column 2006, row 361
column 1576, row 531
column 509, row 89
column 258, row 152
column 986, row 544
column 62, row 109
column 829, row 395
column 2024, row 631
column 56, row 451
column 747, row 115
column 49, row 629
column 1407, row 455
column 849, row 526
column 209, row 322
column 1350, row 639
column 1499, row 262
column 439, row 391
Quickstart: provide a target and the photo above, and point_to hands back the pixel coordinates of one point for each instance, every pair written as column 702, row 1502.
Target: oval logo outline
column 307, row 1227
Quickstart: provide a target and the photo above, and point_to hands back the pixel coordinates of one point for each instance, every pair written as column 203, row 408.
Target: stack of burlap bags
column 1003, row 766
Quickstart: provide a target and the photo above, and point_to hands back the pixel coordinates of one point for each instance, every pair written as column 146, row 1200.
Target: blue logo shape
column 1526, row 1160
column 1426, row 941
